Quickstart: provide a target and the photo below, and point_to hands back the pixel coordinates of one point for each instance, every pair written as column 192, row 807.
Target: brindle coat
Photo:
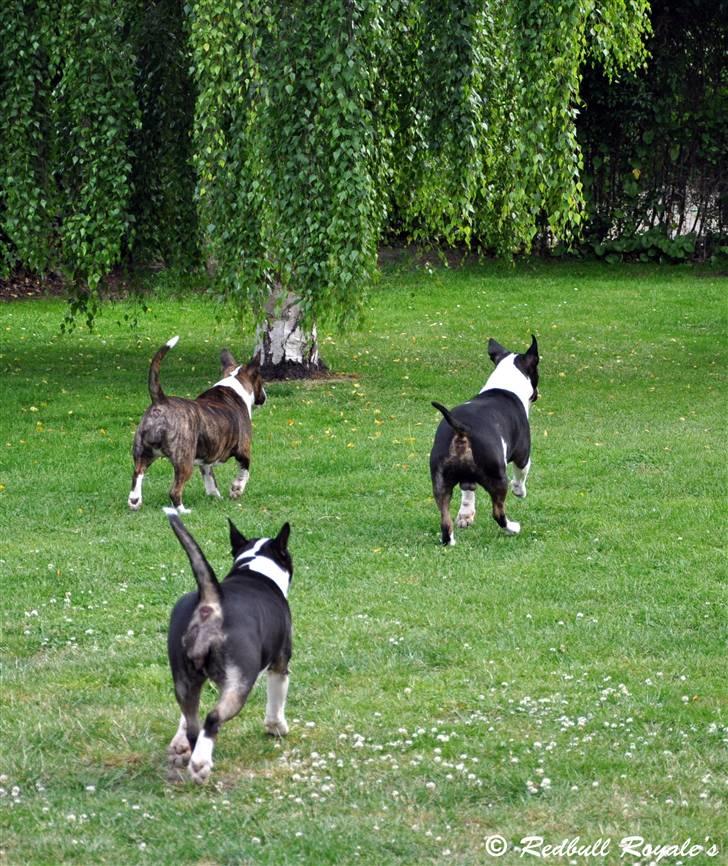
column 206, row 431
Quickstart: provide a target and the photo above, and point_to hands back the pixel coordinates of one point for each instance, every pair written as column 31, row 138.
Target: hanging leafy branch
column 74, row 144
column 655, row 181
column 443, row 150
column 287, row 150
column 304, row 128
column 25, row 185
column 551, row 42
column 163, row 177
column 95, row 113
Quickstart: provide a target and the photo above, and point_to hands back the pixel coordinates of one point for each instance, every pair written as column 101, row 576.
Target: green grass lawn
column 569, row 682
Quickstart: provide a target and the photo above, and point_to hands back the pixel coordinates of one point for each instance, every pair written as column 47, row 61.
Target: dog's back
column 469, row 444
column 253, row 630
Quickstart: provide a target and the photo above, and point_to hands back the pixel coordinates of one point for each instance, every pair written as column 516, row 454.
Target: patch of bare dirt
column 23, row 285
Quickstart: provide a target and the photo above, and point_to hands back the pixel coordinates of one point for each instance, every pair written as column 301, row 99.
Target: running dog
column 229, row 632
column 203, row 432
column 476, row 441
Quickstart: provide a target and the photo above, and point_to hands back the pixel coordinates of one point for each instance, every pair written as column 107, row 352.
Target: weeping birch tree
column 316, row 123
column 284, row 136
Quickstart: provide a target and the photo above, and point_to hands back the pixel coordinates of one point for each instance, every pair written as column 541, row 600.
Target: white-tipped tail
column 172, row 343
column 169, row 511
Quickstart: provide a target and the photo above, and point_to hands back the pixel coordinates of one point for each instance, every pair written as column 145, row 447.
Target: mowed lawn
column 568, row 683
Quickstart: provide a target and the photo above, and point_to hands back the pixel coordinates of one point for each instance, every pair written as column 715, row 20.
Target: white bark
column 282, row 340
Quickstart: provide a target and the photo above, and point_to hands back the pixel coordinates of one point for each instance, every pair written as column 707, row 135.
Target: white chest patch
column 265, row 566
column 232, row 382
column 507, row 377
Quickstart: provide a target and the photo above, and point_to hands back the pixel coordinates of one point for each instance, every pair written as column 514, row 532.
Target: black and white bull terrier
column 478, row 439
column 203, row 432
column 229, row 632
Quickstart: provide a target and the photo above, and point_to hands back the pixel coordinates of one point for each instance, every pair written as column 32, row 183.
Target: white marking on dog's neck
column 233, row 382
column 507, row 377
column 264, row 565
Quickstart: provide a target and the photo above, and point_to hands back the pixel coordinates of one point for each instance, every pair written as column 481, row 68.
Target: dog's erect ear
column 237, row 539
column 530, row 357
column 496, row 351
column 281, row 539
column 227, row 362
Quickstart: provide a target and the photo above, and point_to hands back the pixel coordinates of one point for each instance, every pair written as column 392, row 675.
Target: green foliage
column 650, row 246
column 163, row 178
column 286, row 150
column 654, row 142
column 95, row 111
column 301, row 128
column 453, row 121
column 25, row 181
column 551, row 41
column 65, row 163
column 84, row 127
column 441, row 65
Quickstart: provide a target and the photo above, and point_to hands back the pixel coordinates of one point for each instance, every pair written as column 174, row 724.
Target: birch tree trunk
column 284, row 349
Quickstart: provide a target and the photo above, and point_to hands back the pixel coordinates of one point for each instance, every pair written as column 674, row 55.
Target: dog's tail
column 204, row 632
column 155, row 387
column 460, row 445
column 460, row 429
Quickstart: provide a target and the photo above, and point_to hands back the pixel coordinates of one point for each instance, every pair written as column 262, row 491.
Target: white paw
column 518, row 488
column 178, row 751
column 276, row 727
column 512, row 528
column 134, row 504
column 200, row 770
column 464, row 519
column 236, row 491
column 200, row 765
column 182, row 510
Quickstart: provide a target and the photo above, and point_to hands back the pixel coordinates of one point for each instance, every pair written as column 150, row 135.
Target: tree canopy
column 281, row 137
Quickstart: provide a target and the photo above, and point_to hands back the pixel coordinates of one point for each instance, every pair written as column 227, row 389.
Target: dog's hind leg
column 275, row 719
column 442, row 492
column 234, row 692
column 498, row 495
column 208, row 479
column 518, row 485
column 182, row 474
column 466, row 515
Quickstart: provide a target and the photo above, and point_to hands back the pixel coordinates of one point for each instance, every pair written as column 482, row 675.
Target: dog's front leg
column 188, row 698
column 241, row 479
column 208, row 479
column 275, row 719
column 466, row 515
column 518, row 485
column 179, row 751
